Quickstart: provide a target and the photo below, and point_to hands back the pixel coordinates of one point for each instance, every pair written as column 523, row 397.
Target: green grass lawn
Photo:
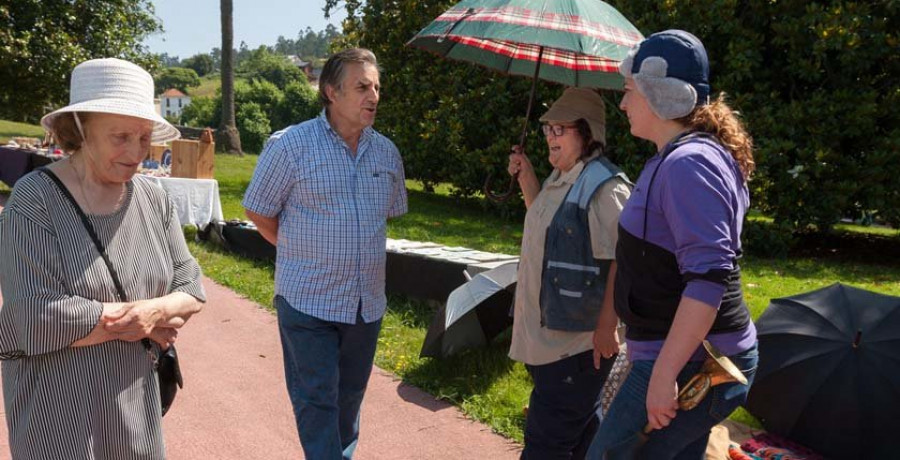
column 484, row 383
column 430, row 220
column 10, row 129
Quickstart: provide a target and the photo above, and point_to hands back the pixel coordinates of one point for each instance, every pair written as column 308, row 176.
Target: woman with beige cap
column 564, row 288
column 79, row 378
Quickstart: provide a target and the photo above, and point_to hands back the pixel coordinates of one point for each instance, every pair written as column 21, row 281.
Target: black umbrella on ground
column 475, row 313
column 829, row 371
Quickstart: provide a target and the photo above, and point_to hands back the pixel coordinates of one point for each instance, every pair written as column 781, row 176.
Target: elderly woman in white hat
column 565, row 276
column 678, row 280
column 79, row 379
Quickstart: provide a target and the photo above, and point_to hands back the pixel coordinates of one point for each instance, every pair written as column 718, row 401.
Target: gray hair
column 334, row 71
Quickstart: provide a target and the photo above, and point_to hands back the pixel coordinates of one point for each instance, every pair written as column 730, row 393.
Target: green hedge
column 818, row 84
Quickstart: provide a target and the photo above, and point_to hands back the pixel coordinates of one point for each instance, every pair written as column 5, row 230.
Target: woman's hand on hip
column 662, row 402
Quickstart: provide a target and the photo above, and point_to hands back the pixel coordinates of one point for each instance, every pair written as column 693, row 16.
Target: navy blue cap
column 685, row 56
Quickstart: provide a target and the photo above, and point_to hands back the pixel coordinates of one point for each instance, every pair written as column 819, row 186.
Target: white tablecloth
column 197, row 200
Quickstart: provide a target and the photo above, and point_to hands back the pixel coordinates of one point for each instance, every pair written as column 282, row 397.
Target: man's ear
column 330, row 93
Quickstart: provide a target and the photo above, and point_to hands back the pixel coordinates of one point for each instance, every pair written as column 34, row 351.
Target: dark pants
column 327, row 367
column 562, row 411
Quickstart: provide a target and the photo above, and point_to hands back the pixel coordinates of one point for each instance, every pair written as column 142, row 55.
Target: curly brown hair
column 720, row 120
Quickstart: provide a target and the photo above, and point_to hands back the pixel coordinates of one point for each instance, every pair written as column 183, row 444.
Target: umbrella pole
column 534, row 78
column 499, row 198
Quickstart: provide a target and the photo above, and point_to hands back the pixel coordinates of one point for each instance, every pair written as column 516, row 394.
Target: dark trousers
column 562, row 410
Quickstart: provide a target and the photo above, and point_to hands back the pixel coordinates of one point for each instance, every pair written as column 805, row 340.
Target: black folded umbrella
column 829, row 371
column 474, row 314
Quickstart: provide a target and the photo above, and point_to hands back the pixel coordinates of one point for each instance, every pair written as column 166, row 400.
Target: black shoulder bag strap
column 97, row 243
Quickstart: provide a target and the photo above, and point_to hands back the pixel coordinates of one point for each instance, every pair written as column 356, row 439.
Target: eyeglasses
column 557, row 130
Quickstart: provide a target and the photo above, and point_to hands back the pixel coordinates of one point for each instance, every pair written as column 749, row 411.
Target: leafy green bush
column 253, row 126
column 202, row 112
column 766, row 239
column 300, row 103
column 274, row 68
column 817, row 82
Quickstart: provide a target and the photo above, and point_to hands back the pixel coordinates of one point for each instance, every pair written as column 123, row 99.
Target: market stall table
column 196, row 200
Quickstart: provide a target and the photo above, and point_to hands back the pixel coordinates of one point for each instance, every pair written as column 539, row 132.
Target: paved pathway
column 234, row 404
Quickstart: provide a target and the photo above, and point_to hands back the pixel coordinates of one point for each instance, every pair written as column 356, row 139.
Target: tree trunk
column 230, row 138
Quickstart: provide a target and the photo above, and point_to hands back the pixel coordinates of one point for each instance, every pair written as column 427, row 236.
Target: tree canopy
column 817, row 83
column 309, row 44
column 176, row 77
column 203, row 64
column 41, row 41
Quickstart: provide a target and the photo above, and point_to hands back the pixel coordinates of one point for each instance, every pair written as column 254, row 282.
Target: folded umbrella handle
column 499, row 197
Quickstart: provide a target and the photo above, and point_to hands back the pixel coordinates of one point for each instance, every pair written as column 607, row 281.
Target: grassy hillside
column 209, row 84
column 10, row 129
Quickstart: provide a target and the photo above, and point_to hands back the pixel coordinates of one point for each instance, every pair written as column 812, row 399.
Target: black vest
column 649, row 285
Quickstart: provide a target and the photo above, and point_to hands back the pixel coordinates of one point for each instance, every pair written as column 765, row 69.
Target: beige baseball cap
column 577, row 103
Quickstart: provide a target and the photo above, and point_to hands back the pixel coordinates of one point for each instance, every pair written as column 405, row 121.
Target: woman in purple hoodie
column 678, row 278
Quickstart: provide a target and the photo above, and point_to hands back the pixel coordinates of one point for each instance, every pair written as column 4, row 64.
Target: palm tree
column 230, row 137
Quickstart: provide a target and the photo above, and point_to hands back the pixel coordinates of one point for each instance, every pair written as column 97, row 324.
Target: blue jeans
column 621, row 433
column 326, row 367
column 561, row 412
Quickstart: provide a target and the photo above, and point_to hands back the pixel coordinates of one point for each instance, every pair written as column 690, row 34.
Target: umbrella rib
column 797, row 304
column 881, row 322
column 837, row 347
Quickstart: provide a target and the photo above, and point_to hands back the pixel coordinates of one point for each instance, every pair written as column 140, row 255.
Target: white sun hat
column 117, row 87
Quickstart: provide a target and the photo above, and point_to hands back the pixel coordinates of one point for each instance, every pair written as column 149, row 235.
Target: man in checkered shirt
column 322, row 193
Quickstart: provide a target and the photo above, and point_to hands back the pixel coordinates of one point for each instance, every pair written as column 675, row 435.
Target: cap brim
column 163, row 131
column 559, row 115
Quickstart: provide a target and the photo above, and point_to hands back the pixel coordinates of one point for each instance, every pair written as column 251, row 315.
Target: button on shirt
column 332, row 208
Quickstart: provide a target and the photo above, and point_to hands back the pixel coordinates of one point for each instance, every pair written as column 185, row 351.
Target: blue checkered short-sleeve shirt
column 332, row 210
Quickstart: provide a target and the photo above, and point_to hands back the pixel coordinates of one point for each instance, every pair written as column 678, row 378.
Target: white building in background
column 172, row 102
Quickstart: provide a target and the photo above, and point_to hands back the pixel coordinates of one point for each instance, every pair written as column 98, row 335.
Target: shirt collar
column 558, row 177
column 323, row 119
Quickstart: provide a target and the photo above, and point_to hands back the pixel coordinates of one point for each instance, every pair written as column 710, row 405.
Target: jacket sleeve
column 698, row 209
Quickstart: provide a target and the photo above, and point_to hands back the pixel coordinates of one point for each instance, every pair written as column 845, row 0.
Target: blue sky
column 193, row 26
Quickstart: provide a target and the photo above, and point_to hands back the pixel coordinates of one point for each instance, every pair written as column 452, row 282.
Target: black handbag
column 165, row 362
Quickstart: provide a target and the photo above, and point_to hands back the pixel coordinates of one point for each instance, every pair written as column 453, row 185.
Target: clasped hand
column 142, row 319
